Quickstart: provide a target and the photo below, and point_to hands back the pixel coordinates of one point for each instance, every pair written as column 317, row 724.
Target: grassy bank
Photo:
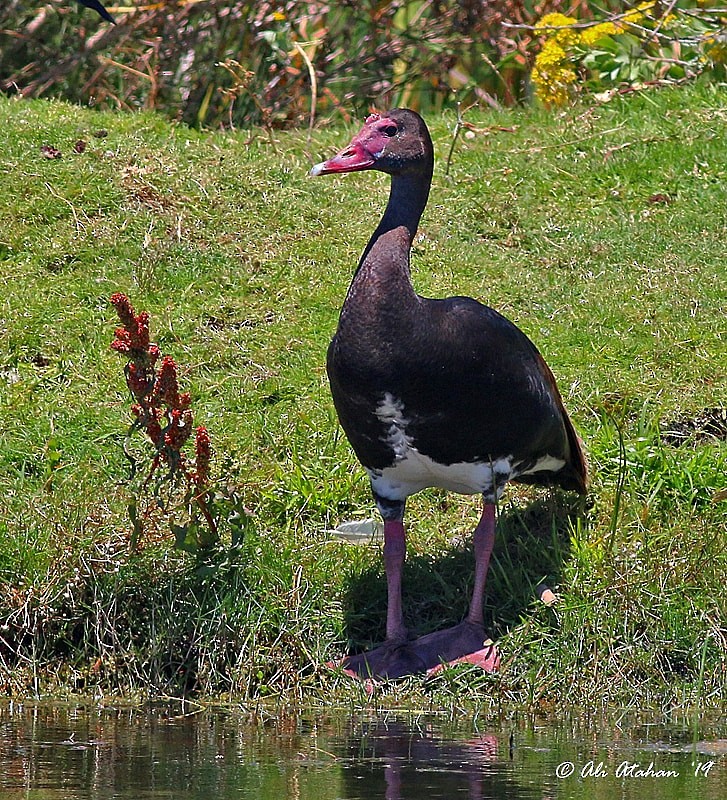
column 600, row 231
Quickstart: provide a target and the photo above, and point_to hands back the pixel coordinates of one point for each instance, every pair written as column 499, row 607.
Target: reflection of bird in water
column 398, row 762
column 97, row 6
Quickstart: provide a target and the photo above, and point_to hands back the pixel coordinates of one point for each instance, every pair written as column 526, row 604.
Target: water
column 74, row 752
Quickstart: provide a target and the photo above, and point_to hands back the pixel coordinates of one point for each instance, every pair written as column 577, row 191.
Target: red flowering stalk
column 203, row 457
column 160, row 409
column 201, row 474
column 133, row 338
column 166, row 388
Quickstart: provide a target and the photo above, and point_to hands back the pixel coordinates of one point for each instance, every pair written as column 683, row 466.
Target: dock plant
column 176, row 482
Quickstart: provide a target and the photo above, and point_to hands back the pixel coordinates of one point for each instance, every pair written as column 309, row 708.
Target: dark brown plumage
column 432, row 392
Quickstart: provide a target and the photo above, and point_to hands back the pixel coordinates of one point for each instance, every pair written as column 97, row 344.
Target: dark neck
column 407, row 200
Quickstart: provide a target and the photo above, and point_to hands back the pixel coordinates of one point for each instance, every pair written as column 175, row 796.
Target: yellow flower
column 558, row 27
column 716, row 49
column 551, row 53
column 641, row 16
column 591, row 35
column 552, row 81
column 553, row 89
column 636, row 15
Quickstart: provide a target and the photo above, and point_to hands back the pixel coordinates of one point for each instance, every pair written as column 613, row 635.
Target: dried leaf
column 48, row 151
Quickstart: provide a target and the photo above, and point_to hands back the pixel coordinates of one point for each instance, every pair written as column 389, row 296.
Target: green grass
column 600, row 231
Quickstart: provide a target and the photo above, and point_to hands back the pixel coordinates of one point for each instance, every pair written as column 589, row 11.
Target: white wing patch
column 544, row 464
column 391, row 412
column 413, row 471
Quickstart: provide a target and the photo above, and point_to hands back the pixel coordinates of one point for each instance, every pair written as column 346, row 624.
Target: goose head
column 395, row 142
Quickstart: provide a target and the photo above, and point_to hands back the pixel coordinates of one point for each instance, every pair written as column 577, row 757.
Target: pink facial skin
column 366, row 147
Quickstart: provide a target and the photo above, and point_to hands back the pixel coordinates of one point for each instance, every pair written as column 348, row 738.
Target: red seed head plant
column 165, row 415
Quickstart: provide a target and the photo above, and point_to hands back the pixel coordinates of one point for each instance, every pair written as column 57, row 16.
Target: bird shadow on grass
column 531, row 547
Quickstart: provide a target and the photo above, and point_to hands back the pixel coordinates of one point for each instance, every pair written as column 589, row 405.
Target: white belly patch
column 414, row 471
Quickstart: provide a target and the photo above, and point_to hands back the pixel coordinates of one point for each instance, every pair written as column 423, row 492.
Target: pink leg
column 464, row 642
column 468, row 640
column 394, row 554
column 484, row 539
column 395, row 656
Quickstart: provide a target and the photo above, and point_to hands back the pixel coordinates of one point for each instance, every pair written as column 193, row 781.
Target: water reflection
column 74, row 752
column 395, row 761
